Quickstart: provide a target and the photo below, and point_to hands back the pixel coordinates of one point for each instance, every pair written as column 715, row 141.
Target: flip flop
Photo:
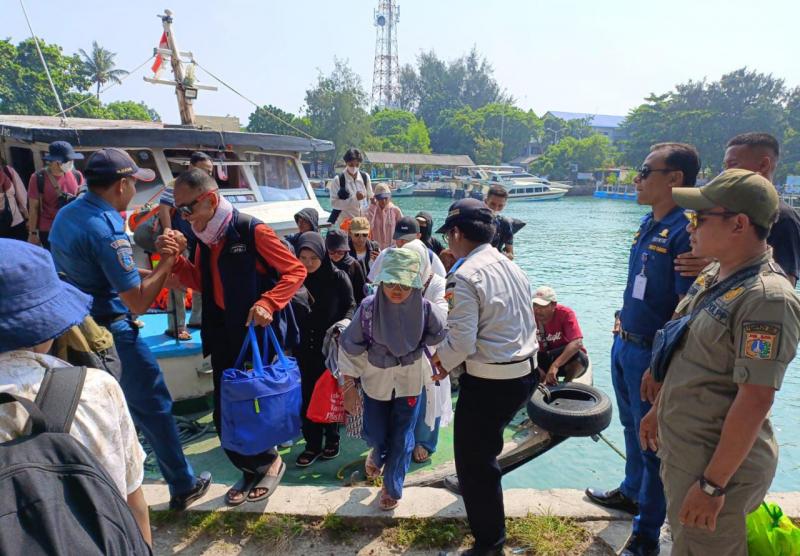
column 243, row 485
column 386, row 502
column 331, row 451
column 269, row 483
column 183, row 335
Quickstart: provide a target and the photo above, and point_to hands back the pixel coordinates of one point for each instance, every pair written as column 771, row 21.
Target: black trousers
column 223, row 356
column 20, row 232
column 545, row 359
column 484, row 409
column 312, row 365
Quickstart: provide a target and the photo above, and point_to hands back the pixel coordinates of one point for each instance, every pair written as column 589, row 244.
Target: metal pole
column 184, row 106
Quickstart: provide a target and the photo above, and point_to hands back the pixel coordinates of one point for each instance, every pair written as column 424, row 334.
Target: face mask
column 67, row 166
column 352, row 171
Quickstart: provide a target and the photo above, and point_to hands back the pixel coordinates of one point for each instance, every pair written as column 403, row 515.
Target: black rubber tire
column 571, row 409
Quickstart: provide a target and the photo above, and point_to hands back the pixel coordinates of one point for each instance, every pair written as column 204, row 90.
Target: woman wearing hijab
column 436, row 405
column 336, row 242
column 383, row 348
column 331, row 300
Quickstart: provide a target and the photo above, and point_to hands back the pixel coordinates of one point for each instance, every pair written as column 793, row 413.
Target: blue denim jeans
column 642, row 482
column 150, row 404
column 389, row 431
column 423, row 435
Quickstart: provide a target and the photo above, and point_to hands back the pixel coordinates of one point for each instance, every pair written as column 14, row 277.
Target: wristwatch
column 710, row 488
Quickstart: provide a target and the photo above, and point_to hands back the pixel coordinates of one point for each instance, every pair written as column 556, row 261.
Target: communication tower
column 386, row 74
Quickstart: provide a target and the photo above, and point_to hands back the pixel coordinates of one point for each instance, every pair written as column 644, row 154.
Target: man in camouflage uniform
column 710, row 422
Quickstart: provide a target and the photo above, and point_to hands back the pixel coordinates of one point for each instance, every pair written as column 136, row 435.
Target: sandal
column 307, row 458
column 417, row 456
column 268, row 484
column 138, row 323
column 330, row 451
column 241, row 487
column 371, row 469
column 386, row 502
column 183, row 335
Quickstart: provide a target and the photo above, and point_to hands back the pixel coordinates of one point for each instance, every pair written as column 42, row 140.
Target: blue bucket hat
column 35, row 305
column 61, row 151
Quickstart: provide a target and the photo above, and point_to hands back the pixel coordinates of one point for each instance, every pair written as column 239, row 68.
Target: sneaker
column 639, row 545
column 179, row 502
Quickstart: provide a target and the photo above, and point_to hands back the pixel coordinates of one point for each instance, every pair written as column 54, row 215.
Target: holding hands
column 171, row 243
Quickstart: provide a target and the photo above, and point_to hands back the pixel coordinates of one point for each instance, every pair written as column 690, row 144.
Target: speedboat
column 260, row 174
column 522, row 186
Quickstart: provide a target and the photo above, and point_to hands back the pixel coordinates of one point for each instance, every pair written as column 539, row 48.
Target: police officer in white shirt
column 491, row 330
column 350, row 191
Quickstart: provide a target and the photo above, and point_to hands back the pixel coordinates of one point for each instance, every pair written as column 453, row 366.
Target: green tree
column 267, row 119
column 488, row 151
column 99, row 66
column 588, row 154
column 336, row 109
column 24, row 88
column 553, row 129
column 130, row 110
column 397, row 131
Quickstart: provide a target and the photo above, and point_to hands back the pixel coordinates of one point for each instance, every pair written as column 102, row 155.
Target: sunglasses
column 645, row 171
column 695, row 217
column 392, row 286
column 359, row 234
column 340, row 252
column 188, row 209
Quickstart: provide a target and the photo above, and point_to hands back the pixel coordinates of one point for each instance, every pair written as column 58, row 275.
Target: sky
column 594, row 56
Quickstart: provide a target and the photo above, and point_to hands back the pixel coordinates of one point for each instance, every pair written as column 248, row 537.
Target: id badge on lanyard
column 640, row 281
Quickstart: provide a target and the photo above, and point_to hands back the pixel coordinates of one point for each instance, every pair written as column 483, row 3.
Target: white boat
column 522, row 186
column 260, row 174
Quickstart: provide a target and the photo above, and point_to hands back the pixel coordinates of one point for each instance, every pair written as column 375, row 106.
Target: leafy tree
column 335, row 108
column 130, row 110
column 99, row 66
column 24, row 88
column 397, row 131
column 265, row 120
column 488, row 151
column 588, row 154
column 554, row 128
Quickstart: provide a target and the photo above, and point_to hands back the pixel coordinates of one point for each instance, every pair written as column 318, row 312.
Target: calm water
column 579, row 246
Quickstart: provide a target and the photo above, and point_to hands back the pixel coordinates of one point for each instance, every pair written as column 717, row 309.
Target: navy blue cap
column 466, row 210
column 406, row 226
column 61, row 151
column 115, row 163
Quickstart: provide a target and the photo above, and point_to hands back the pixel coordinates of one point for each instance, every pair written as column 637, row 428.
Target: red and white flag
column 159, row 58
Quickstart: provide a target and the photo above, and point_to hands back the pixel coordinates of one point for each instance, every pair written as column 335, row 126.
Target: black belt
column 513, row 362
column 105, row 321
column 637, row 339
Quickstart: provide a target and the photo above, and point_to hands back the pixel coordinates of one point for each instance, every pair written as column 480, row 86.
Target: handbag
column 260, row 408
column 771, row 533
column 327, row 400
column 667, row 339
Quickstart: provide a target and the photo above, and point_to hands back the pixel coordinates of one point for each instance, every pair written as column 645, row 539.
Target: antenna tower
column 386, row 74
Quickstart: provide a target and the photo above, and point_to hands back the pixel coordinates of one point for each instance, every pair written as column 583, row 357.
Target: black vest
column 242, row 286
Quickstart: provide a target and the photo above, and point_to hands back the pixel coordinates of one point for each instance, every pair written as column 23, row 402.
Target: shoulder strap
column 341, row 181
column 364, row 177
column 726, row 285
column 58, row 396
column 366, row 318
column 40, row 182
column 77, row 176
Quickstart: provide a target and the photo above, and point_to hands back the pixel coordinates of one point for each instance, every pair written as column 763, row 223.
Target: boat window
column 227, row 166
column 278, row 178
column 22, row 162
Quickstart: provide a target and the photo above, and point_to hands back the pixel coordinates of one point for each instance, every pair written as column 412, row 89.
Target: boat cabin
column 261, row 174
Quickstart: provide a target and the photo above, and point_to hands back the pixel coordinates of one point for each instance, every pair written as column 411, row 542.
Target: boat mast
column 184, row 105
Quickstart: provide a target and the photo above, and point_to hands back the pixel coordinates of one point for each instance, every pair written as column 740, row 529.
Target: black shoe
column 613, row 499
column 179, row 502
column 639, row 545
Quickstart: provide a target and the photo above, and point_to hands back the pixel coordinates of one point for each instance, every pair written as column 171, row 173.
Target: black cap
column 115, row 163
column 197, row 156
column 466, row 210
column 61, row 151
column 336, row 240
column 406, row 226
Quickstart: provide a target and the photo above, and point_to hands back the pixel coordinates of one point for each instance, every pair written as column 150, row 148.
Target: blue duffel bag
column 260, row 407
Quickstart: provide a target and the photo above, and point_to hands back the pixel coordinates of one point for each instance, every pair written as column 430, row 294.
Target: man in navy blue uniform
column 652, row 292
column 92, row 251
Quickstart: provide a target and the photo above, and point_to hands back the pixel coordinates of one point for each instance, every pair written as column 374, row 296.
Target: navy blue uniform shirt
column 654, row 249
column 90, row 247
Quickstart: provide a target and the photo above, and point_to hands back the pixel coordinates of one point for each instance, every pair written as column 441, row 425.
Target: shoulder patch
column 124, row 254
column 664, row 232
column 733, row 294
column 760, row 340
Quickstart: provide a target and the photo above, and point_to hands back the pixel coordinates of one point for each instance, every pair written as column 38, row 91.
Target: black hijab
column 337, row 240
column 317, row 282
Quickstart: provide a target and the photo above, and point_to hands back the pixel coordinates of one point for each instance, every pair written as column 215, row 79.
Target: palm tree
column 100, row 66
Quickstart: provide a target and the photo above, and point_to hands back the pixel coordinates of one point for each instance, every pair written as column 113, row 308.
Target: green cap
column 400, row 266
column 735, row 190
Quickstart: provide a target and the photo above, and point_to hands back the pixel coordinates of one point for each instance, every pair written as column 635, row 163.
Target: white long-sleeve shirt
column 350, row 207
column 490, row 320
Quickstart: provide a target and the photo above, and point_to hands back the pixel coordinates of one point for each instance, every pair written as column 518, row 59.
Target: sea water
column 579, row 246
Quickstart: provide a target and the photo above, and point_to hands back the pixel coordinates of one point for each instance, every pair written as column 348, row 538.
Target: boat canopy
column 84, row 132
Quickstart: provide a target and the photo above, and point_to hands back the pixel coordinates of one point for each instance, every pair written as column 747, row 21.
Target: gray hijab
column 399, row 326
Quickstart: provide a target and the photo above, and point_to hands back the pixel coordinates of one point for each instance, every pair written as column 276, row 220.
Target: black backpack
column 343, row 193
column 55, row 498
column 64, row 198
